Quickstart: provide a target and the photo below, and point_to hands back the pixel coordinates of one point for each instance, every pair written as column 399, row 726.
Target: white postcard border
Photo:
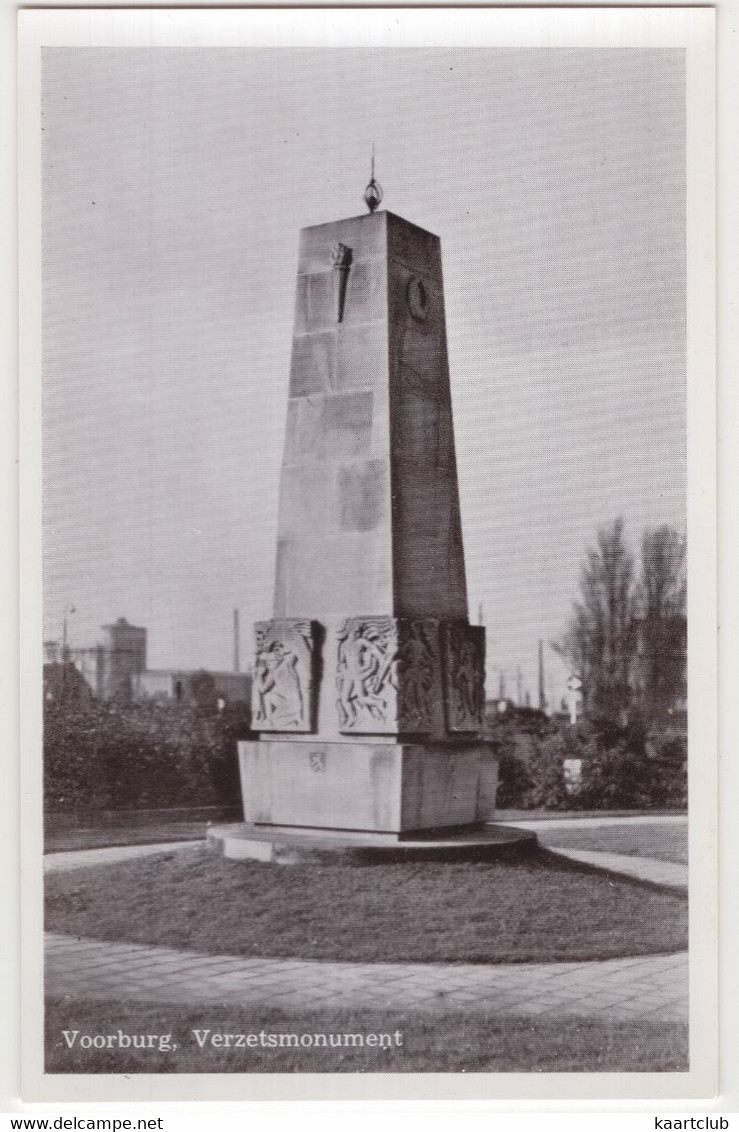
column 690, row 28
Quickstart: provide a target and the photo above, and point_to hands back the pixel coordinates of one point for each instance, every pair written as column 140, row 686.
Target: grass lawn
column 539, row 908
column 665, row 841
column 449, row 1043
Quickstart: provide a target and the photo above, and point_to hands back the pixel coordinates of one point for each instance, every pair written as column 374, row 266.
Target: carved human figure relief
column 367, row 674
column 418, row 671
column 283, row 676
column 387, row 674
column 464, row 662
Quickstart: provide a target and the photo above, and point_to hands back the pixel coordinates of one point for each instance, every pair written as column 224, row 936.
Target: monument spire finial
column 373, row 192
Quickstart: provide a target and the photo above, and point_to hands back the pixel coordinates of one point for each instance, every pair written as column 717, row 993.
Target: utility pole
column 542, row 697
column 519, row 686
column 65, row 647
column 501, row 686
column 236, row 642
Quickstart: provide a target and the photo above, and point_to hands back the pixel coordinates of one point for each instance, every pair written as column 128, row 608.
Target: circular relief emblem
column 418, row 299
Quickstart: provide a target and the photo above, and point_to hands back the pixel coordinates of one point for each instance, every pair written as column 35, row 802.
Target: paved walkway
column 646, row 987
column 555, row 823
column 82, row 858
column 664, row 873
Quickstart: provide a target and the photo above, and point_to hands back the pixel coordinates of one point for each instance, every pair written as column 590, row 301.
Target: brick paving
column 631, row 989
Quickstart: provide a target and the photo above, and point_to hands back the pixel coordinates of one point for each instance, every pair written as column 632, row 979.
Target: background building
column 115, row 668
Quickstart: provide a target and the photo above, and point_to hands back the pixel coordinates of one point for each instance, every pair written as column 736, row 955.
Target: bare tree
column 662, row 623
column 601, row 638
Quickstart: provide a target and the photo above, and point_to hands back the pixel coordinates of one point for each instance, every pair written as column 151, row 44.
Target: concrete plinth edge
column 257, row 843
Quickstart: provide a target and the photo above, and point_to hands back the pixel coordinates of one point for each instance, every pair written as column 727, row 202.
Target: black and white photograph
column 371, row 712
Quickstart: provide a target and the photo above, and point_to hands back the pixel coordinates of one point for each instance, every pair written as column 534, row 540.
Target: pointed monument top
column 373, row 192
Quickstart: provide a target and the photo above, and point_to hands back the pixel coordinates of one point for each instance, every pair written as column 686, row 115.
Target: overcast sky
column 175, row 183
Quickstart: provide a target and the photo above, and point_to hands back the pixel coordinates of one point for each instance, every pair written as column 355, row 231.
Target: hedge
column 102, row 755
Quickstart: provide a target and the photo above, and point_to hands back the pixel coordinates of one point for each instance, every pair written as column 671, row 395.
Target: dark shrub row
column 103, row 755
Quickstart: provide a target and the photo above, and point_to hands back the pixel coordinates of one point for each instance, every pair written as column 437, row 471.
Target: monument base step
column 248, row 842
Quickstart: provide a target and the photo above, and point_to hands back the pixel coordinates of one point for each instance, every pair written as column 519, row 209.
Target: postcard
column 368, row 553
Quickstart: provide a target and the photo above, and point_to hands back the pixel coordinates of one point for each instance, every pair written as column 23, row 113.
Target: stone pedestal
column 378, row 787
column 368, row 683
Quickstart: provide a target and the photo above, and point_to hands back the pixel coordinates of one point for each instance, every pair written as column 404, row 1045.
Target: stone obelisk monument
column 368, row 689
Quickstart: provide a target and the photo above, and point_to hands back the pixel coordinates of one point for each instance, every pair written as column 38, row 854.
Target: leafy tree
column 662, row 645
column 602, row 634
column 203, row 691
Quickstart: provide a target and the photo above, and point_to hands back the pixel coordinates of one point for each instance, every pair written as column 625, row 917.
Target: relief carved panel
column 367, row 674
column 420, row 672
column 282, row 692
column 464, row 665
column 341, row 258
column 387, row 675
column 422, row 353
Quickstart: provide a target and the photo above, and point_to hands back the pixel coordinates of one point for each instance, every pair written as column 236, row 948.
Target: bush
column 530, row 752
column 103, row 755
column 632, row 771
column 622, row 768
column 669, row 760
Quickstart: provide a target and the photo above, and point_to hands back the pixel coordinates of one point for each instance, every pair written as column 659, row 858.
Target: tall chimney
column 236, row 641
